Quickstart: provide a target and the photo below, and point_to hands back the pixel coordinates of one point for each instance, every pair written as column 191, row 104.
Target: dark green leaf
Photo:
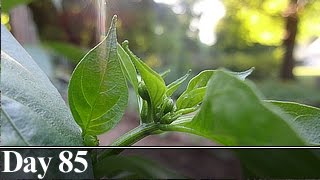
column 98, row 92
column 33, row 112
column 172, row 87
column 131, row 167
column 233, row 114
column 155, row 84
column 305, row 119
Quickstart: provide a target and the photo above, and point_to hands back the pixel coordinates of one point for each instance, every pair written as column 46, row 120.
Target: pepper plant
column 219, row 105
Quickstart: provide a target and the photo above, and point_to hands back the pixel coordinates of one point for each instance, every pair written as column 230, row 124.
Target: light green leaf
column 172, row 87
column 131, row 167
column 33, row 112
column 128, row 68
column 233, row 114
column 244, row 74
column 192, row 98
column 98, row 93
column 198, row 82
column 155, row 84
column 165, row 73
column 196, row 88
column 130, row 72
column 305, row 119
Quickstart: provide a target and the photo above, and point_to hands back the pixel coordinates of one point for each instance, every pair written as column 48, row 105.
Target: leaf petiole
column 131, row 137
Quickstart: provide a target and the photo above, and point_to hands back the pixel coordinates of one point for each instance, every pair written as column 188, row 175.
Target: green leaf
column 196, row 87
column 130, row 72
column 33, row 112
column 98, row 93
column 155, row 84
column 124, row 167
column 305, row 119
column 233, row 114
column 165, row 73
column 192, row 98
column 244, row 74
column 128, row 68
column 172, row 87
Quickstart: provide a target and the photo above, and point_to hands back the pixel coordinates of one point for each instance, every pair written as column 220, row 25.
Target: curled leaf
column 155, row 84
column 172, row 87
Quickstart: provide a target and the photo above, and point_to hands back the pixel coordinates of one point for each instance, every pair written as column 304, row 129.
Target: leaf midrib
column 14, row 126
column 100, row 85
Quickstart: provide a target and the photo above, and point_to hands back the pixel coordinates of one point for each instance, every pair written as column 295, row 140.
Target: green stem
column 150, row 112
column 130, row 138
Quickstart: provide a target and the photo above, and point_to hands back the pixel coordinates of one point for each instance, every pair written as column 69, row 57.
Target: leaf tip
column 125, row 43
column 114, row 19
column 113, row 22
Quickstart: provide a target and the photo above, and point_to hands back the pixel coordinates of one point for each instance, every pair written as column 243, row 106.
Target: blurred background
column 280, row 38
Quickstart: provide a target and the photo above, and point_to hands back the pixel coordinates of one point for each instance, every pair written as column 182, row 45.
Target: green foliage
column 266, row 60
column 128, row 68
column 172, row 87
column 243, row 75
column 154, row 83
column 98, row 92
column 233, row 114
column 217, row 104
column 262, row 21
column 32, row 112
column 291, row 91
column 195, row 91
column 90, row 140
column 306, row 119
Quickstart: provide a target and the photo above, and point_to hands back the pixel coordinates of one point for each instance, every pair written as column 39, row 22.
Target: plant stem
column 150, row 112
column 130, row 138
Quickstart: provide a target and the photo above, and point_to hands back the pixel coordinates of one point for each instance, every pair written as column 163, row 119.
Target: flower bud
column 143, row 91
column 168, row 106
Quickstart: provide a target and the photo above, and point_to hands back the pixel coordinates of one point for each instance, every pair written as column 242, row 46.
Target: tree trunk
column 291, row 18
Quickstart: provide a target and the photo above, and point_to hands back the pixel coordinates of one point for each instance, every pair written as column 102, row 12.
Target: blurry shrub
column 266, row 62
column 303, row 90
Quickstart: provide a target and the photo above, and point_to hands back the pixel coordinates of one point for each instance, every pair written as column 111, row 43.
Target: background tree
column 271, row 23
